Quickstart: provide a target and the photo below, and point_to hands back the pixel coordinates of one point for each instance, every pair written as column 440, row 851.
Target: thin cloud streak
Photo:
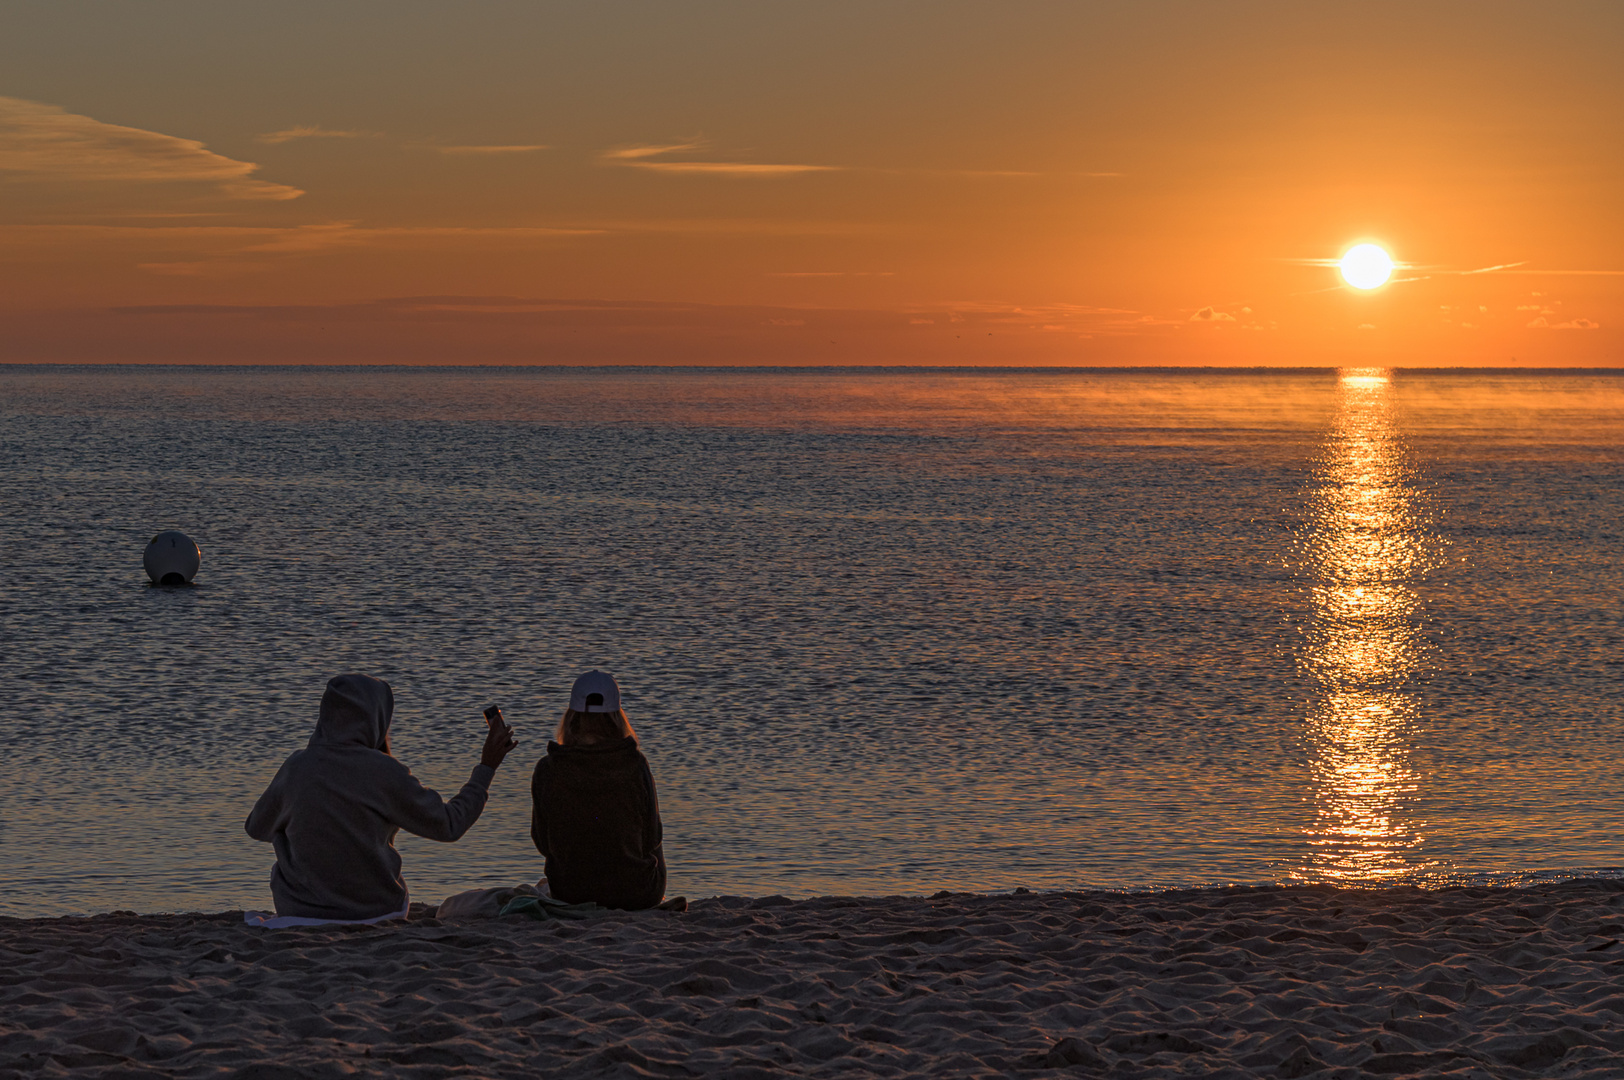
column 49, row 144
column 976, row 173
column 1502, row 268
column 728, row 168
column 641, row 157
column 1572, row 324
column 644, row 157
column 637, row 153
column 1334, row 264
column 312, row 131
column 1510, row 269
column 520, row 148
column 1570, row 273
column 318, row 237
column 987, row 173
column 190, row 243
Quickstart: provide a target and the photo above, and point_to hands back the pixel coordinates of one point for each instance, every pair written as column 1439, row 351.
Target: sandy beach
column 1245, row 982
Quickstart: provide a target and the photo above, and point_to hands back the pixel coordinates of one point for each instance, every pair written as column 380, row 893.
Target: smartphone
column 493, row 716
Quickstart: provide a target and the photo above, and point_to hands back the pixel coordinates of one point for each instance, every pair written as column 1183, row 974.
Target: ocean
column 878, row 630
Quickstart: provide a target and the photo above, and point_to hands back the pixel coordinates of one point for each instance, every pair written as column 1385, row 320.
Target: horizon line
column 100, row 364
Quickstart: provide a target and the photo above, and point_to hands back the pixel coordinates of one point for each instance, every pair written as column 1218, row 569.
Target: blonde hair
column 592, row 728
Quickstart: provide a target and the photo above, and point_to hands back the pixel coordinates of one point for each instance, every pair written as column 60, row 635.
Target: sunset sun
column 1366, row 266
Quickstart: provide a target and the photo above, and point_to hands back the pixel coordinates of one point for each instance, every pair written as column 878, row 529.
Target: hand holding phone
column 498, row 739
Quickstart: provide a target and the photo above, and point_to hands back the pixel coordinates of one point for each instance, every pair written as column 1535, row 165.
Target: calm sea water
column 879, row 631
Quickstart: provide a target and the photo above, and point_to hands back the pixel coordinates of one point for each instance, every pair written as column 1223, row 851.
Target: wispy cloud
column 994, row 174
column 187, row 242
column 667, row 158
column 644, row 157
column 990, row 173
column 219, row 251
column 1571, row 273
column 1336, row 263
column 301, row 239
column 48, row 143
column 730, row 168
column 231, row 245
column 1520, row 269
column 1208, row 314
column 637, row 153
column 1572, row 324
column 1085, row 320
column 1493, row 269
column 516, row 148
column 347, row 234
column 313, row 131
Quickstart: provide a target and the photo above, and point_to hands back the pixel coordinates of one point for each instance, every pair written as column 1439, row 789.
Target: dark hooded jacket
column 333, row 810
column 596, row 820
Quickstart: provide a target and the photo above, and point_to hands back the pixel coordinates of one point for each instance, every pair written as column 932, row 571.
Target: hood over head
column 355, row 711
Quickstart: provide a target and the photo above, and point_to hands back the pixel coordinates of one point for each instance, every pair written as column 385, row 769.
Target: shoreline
column 1492, row 881
column 1291, row 981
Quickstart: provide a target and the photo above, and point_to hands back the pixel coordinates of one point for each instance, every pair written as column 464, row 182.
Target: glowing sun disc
column 1366, row 266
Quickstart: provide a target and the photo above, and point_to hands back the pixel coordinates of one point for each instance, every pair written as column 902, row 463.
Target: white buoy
column 172, row 559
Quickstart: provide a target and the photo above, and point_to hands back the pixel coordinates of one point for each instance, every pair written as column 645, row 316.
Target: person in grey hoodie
column 333, row 808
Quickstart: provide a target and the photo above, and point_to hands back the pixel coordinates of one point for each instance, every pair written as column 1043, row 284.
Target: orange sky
column 847, row 183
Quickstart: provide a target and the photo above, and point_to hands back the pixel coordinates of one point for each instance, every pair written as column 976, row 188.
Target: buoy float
column 172, row 559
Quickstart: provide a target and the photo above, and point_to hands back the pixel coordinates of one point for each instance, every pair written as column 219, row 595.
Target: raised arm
column 418, row 809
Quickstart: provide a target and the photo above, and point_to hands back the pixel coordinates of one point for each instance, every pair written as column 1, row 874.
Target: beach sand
column 1282, row 982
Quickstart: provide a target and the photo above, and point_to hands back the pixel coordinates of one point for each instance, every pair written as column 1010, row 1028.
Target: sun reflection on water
column 1368, row 542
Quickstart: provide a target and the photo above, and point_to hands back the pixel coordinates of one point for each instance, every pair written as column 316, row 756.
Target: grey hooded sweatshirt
column 333, row 810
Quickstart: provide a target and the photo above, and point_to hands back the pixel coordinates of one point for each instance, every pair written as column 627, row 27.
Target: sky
column 943, row 183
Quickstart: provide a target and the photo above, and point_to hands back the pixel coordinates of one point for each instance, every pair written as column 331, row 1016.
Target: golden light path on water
column 1368, row 542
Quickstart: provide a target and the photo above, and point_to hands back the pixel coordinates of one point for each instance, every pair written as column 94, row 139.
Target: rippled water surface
column 879, row 631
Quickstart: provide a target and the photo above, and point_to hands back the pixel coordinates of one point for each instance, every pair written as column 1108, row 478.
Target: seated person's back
column 596, row 817
column 332, row 811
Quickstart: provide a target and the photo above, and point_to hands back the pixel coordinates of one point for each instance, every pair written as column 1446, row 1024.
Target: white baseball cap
column 596, row 691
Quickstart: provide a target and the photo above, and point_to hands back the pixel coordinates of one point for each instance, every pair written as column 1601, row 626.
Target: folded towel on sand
column 264, row 920
column 542, row 908
column 485, row 903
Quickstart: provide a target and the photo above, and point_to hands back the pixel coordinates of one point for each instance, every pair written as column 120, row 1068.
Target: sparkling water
column 878, row 630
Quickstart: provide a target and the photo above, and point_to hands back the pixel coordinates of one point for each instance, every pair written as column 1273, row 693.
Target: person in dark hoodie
column 595, row 817
column 333, row 809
